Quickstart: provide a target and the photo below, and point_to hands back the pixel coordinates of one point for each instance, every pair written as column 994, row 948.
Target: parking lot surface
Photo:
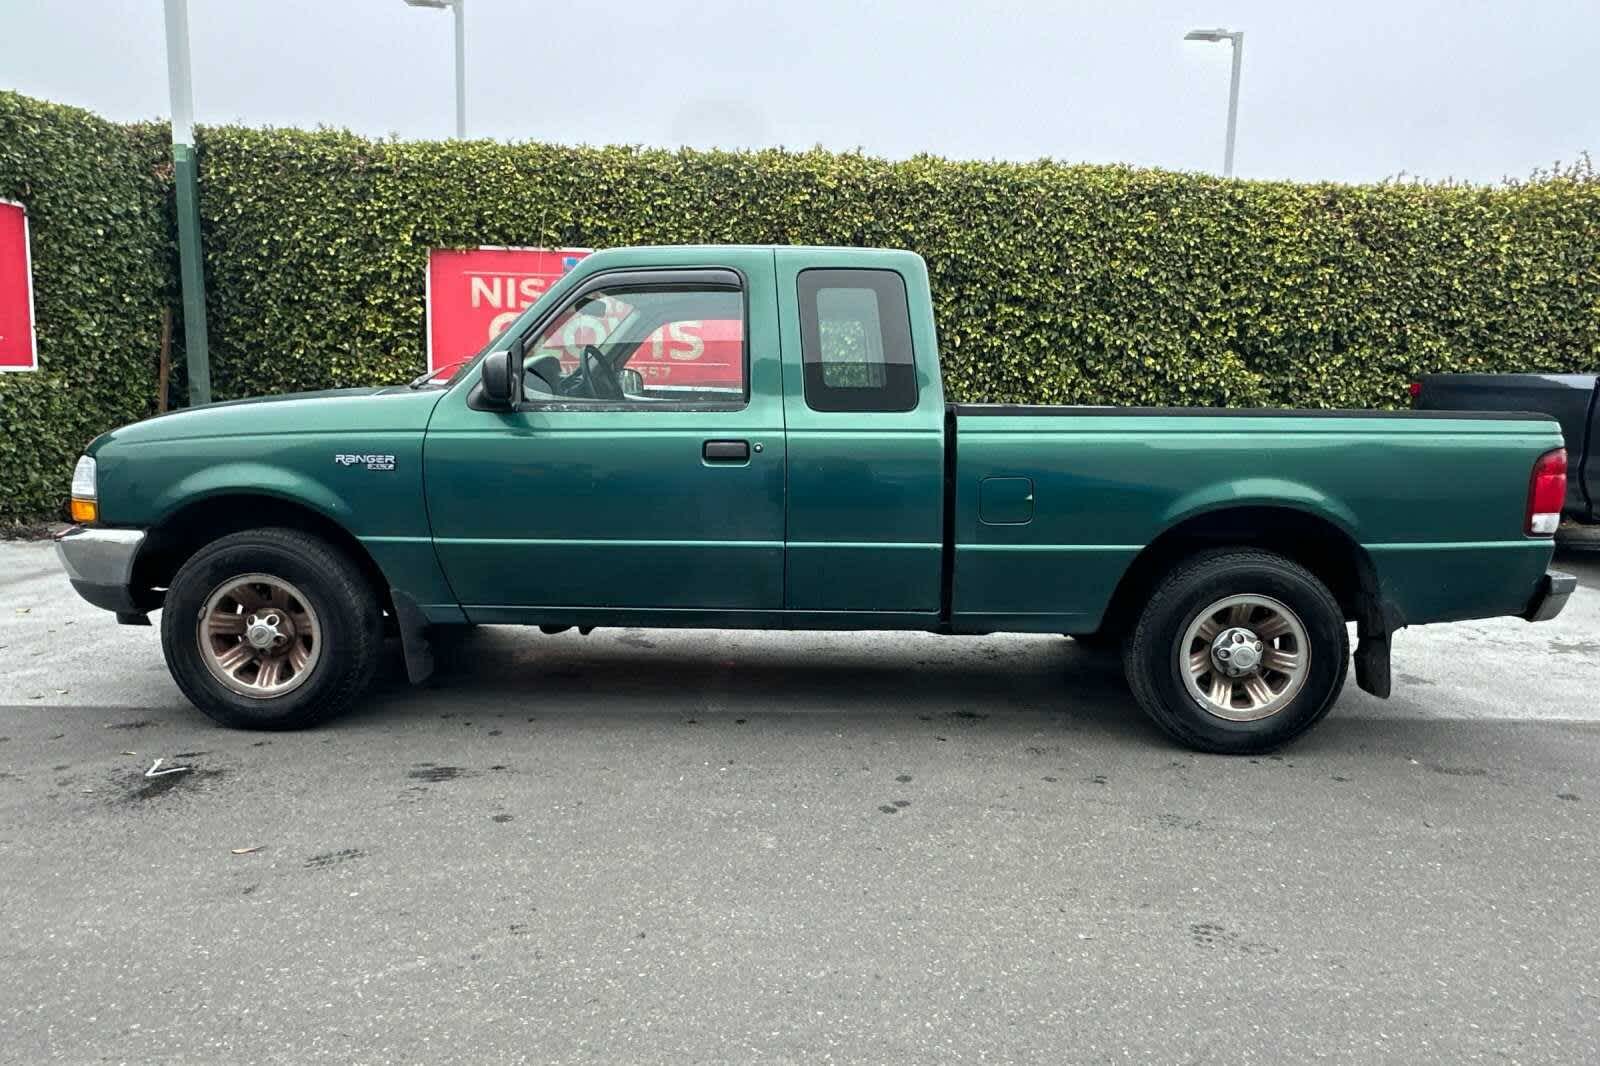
column 726, row 847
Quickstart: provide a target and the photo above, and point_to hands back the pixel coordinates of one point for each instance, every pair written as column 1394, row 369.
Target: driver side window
column 641, row 345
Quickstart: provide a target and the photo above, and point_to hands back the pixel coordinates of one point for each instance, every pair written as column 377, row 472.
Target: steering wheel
column 599, row 380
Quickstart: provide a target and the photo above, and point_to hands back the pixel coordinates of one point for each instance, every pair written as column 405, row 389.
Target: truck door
column 865, row 418
column 642, row 476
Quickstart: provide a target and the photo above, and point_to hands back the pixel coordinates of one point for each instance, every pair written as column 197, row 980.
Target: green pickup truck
column 813, row 478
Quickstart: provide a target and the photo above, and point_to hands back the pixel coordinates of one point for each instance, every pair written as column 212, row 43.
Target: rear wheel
column 271, row 629
column 1238, row 651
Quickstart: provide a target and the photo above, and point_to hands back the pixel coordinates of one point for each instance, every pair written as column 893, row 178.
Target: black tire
column 348, row 614
column 1156, row 673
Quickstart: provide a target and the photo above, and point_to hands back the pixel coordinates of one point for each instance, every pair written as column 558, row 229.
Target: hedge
column 1053, row 283
column 95, row 193
column 1084, row 284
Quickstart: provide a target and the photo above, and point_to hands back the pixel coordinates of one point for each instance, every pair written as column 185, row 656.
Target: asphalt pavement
column 640, row 847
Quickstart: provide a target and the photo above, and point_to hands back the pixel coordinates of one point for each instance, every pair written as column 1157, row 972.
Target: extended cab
column 809, row 476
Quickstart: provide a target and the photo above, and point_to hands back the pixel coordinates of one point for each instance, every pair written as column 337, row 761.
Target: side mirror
column 498, row 373
column 632, row 382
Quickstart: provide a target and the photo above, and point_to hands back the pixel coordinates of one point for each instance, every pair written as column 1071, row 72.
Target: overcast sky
column 1350, row 90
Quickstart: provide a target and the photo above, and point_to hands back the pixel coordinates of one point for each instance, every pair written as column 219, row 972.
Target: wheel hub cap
column 1236, row 651
column 1244, row 658
column 262, row 630
column 259, row 636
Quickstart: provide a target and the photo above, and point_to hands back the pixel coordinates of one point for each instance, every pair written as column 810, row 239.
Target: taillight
column 1415, row 389
column 1547, row 492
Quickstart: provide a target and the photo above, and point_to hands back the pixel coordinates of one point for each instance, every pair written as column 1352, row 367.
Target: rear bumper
column 99, row 563
column 1551, row 597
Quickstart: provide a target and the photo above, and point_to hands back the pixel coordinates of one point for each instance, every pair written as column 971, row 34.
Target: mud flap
column 413, row 625
column 1372, row 665
column 1378, row 620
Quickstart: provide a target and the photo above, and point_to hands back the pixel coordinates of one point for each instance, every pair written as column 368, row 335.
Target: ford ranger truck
column 808, row 475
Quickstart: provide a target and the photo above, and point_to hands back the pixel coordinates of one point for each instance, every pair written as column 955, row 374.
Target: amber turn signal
column 84, row 510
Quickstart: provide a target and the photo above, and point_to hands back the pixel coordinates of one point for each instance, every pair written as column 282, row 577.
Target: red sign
column 473, row 295
column 19, row 349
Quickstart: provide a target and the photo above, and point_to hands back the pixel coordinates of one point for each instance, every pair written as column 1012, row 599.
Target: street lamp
column 1215, row 36
column 461, row 59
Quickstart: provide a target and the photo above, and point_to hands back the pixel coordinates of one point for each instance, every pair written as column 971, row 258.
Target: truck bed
column 1052, row 504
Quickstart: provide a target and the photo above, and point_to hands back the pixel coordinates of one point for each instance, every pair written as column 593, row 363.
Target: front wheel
column 271, row 629
column 1238, row 651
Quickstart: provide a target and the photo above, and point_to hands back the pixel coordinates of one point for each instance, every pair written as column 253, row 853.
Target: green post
column 191, row 269
column 191, row 273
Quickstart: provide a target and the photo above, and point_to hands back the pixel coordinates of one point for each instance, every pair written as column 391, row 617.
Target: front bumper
column 99, row 563
column 1554, row 588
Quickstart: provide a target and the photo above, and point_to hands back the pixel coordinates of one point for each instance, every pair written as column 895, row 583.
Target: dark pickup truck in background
column 1573, row 400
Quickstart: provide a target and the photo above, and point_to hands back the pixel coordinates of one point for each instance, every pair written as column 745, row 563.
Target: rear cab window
column 855, row 341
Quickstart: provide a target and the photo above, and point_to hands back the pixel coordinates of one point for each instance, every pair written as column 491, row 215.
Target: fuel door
column 1005, row 501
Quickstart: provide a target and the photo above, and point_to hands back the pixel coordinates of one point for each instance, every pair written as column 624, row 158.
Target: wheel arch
column 1314, row 539
column 187, row 528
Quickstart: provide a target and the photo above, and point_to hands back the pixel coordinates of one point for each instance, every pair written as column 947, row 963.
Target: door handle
column 726, row 451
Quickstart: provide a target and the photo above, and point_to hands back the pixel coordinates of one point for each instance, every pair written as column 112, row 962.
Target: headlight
column 84, row 496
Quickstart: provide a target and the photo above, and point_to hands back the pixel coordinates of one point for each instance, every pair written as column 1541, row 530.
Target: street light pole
column 461, row 69
column 1233, row 102
column 191, row 269
column 461, row 57
column 1236, row 38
